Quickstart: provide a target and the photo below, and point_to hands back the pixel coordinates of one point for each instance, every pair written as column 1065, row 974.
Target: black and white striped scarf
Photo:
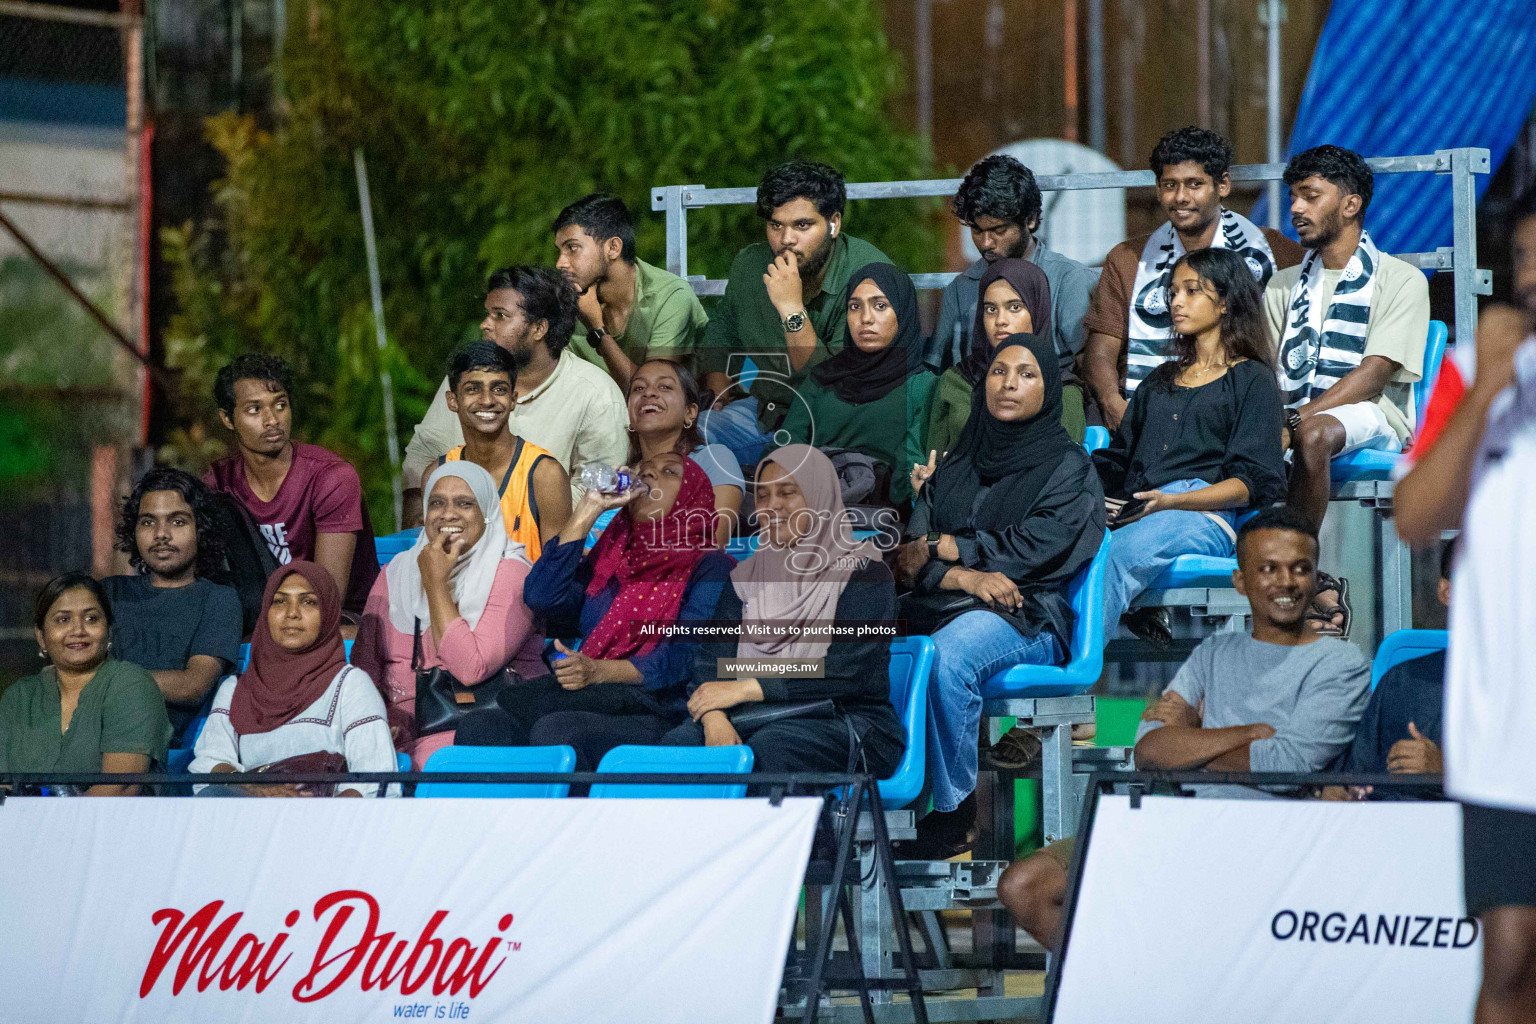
column 1150, row 325
column 1319, row 347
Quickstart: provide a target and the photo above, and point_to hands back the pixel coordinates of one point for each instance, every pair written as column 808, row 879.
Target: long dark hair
column 210, row 543
column 690, row 438
column 1244, row 333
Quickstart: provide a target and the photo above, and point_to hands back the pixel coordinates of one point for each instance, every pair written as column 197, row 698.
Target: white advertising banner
column 540, row 911
column 1270, row 910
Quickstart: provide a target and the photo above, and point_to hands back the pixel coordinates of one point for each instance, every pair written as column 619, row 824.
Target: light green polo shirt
column 667, row 320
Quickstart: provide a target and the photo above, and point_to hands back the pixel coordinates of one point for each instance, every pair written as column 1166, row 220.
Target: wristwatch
column 596, row 335
column 933, row 546
column 794, row 322
column 1292, row 423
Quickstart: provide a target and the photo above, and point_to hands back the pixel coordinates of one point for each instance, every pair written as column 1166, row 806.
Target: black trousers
column 817, row 744
column 592, row 720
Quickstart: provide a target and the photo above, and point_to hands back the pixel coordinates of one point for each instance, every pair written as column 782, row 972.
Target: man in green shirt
column 627, row 310
column 783, row 307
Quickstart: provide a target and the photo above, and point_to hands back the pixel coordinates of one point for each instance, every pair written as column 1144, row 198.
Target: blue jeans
column 736, row 427
column 967, row 652
column 1141, row 552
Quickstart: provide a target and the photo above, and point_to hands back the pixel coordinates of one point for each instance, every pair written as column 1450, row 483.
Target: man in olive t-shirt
column 783, row 307
column 627, row 310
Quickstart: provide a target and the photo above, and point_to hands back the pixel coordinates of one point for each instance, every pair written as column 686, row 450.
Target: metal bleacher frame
column 1054, row 715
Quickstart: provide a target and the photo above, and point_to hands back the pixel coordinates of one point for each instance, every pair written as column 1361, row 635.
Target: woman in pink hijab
column 807, row 578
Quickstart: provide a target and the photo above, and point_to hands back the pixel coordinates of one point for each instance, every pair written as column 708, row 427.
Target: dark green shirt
column 745, row 324
column 893, row 429
column 120, row 711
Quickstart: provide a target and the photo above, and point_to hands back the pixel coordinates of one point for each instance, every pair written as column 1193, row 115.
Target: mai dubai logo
column 374, row 960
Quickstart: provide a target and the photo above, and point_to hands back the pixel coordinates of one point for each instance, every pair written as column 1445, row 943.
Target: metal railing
column 1459, row 258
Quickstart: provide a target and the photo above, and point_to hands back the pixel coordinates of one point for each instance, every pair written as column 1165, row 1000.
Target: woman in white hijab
column 460, row 591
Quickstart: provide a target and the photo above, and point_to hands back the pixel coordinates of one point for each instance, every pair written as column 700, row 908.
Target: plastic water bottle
column 595, row 476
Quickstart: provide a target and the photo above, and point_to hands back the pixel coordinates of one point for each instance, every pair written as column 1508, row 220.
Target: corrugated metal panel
column 1395, row 77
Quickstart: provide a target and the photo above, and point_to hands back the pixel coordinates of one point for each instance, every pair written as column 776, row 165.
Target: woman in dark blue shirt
column 655, row 566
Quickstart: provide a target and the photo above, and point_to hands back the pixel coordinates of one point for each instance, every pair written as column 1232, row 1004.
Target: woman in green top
column 871, row 397
column 83, row 712
column 1015, row 299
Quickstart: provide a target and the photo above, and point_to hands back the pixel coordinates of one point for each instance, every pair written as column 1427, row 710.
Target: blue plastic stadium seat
column 393, row 544
column 1196, row 571
column 402, row 761
column 1405, row 645
column 1370, row 464
column 1086, row 593
column 671, row 761
column 245, row 655
column 177, row 761
column 1095, row 438
column 911, row 667
column 498, row 759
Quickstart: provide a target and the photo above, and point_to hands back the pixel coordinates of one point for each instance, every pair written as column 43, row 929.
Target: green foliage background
column 479, row 122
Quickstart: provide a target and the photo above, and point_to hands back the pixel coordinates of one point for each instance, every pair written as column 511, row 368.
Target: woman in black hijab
column 1009, row 518
column 872, row 397
column 1014, row 297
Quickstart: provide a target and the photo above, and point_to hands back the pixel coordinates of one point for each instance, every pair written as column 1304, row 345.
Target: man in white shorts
column 1475, row 469
column 1349, row 323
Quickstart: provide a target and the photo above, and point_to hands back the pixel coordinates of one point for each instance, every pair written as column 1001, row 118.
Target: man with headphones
column 783, row 306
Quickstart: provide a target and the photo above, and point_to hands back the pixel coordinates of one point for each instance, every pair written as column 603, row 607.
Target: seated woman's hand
column 1156, row 501
column 921, row 473
column 718, row 731
column 722, row 694
column 595, row 503
column 910, row 559
column 439, row 557
column 994, row 588
column 575, row 670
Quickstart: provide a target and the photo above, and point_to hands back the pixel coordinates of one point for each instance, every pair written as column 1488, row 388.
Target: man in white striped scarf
column 1349, row 323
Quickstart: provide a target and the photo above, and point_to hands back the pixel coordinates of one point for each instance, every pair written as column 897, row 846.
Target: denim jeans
column 1141, row 552
column 967, row 652
column 735, row 426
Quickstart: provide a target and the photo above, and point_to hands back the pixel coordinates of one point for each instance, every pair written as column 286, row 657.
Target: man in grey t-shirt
column 1280, row 700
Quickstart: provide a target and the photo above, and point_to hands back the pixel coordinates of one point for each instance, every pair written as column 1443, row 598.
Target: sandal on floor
column 1325, row 619
column 941, row 835
column 1152, row 624
column 1016, row 750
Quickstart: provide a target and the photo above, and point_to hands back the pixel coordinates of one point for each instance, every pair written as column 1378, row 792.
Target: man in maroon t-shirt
column 307, row 502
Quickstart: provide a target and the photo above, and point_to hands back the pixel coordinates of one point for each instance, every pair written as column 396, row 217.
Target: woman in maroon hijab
column 298, row 707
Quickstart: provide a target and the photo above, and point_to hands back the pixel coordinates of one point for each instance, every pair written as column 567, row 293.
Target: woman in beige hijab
column 797, row 599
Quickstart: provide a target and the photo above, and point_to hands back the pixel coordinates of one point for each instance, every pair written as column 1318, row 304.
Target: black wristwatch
column 597, row 334
column 933, row 546
column 1292, row 423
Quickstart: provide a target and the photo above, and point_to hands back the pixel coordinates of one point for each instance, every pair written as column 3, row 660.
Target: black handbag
column 924, row 614
column 441, row 700
column 749, row 718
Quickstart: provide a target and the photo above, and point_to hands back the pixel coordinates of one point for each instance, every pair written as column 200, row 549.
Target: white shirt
column 577, row 415
column 348, row 718
column 1490, row 696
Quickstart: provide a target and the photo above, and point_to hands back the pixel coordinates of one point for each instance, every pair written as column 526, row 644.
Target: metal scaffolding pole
column 376, row 294
column 924, row 46
column 1273, row 12
column 1096, row 137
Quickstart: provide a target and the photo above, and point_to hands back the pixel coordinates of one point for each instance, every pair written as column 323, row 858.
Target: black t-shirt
column 162, row 627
